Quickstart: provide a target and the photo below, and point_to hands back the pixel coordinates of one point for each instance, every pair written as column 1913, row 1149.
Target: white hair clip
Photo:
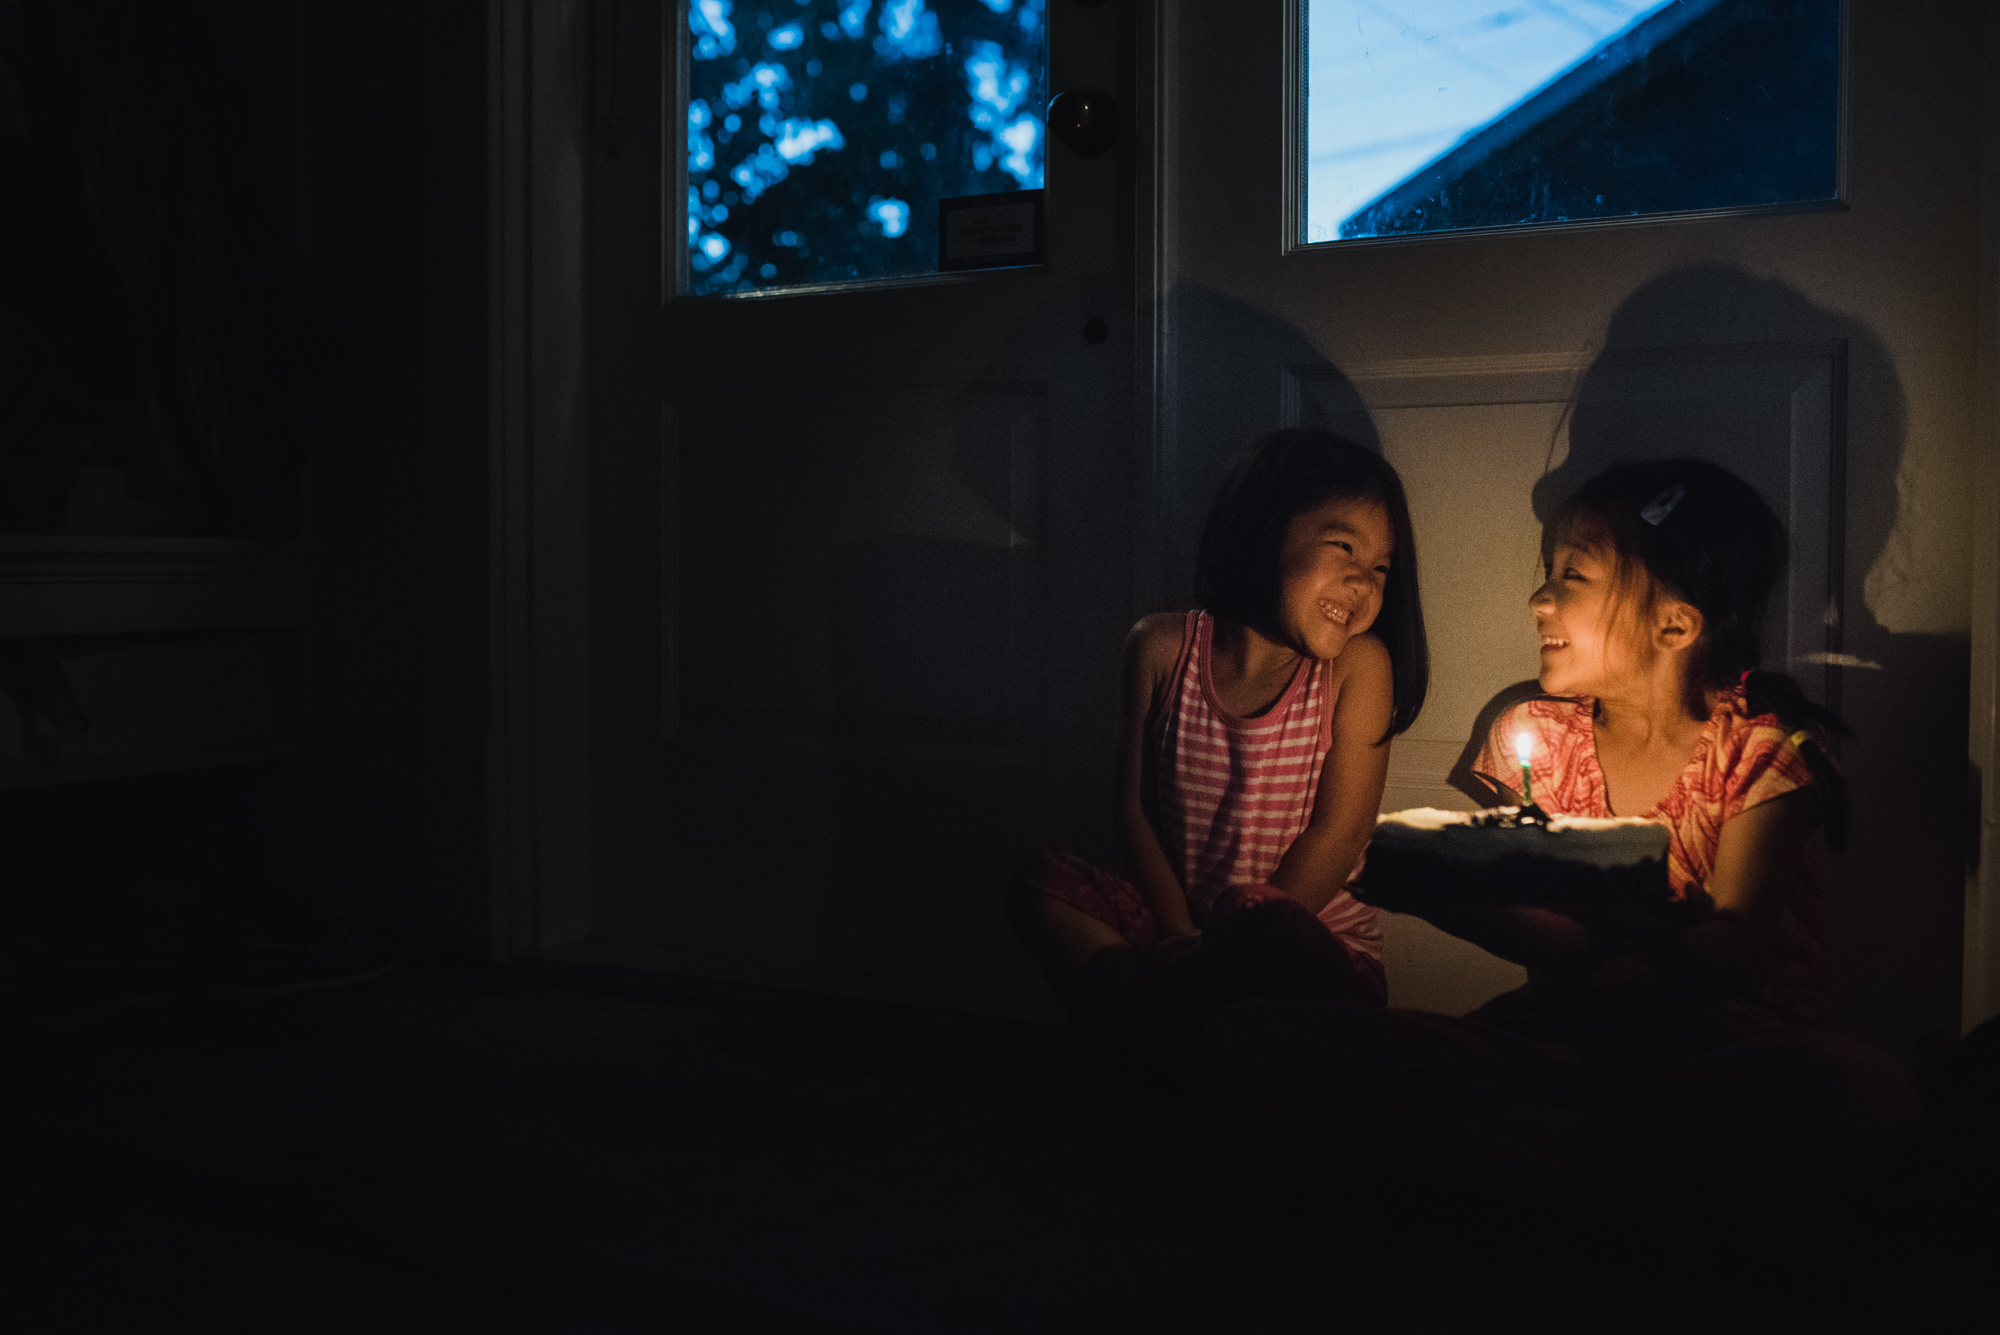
column 1663, row 504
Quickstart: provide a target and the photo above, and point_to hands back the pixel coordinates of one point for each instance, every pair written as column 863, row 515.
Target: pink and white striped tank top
column 1234, row 793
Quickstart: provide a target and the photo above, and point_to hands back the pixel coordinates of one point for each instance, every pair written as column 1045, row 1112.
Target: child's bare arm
column 1756, row 856
column 1531, row 937
column 1733, row 948
column 1319, row 861
column 1151, row 650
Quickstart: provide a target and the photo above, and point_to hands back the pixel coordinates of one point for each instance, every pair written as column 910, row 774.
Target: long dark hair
column 1702, row 535
column 1239, row 568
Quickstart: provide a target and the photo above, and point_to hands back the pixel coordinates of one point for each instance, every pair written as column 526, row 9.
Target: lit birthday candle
column 1524, row 747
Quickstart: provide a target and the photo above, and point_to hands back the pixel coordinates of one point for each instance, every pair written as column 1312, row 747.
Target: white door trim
column 538, row 774
column 1154, row 137
column 1981, row 959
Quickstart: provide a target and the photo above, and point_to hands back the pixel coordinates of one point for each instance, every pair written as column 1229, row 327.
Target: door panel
column 872, row 665
column 897, row 549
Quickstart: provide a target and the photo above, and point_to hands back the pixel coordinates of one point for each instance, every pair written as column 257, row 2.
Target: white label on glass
column 977, row 233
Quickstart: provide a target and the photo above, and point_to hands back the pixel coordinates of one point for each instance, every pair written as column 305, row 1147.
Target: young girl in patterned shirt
column 1657, row 579
column 1253, row 745
column 1692, row 1043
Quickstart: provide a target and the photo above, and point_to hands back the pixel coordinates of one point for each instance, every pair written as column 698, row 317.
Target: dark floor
column 471, row 1150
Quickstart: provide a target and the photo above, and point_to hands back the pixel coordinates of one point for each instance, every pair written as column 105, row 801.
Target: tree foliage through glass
column 822, row 133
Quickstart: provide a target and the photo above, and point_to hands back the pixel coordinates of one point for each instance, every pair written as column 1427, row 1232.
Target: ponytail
column 1815, row 726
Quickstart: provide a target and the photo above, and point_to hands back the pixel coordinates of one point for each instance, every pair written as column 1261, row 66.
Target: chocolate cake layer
column 1495, row 857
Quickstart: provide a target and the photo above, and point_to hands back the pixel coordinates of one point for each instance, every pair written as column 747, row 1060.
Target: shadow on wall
column 1244, row 359
column 1895, row 900
column 923, row 608
column 996, row 629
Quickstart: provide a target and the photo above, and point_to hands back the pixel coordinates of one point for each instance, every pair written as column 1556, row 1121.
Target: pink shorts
column 1256, row 940
column 1089, row 889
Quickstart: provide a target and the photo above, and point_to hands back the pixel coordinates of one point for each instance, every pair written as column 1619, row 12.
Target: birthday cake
column 1503, row 855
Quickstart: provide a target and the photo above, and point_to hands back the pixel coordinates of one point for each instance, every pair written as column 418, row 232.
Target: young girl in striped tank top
column 1253, row 744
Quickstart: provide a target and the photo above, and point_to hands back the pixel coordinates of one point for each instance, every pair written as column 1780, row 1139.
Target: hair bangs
column 1238, row 567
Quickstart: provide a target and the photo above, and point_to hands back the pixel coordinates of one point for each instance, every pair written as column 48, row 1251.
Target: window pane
column 1433, row 115
column 822, row 133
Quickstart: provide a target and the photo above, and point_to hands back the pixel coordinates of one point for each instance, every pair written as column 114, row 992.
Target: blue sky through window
column 1393, row 84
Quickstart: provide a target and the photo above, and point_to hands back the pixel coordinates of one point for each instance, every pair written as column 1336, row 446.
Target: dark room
column 762, row 665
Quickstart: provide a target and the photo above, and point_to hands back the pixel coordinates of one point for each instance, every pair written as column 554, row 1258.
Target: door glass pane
column 822, row 133
column 1435, row 115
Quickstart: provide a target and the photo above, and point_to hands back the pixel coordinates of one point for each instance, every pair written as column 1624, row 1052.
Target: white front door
column 860, row 563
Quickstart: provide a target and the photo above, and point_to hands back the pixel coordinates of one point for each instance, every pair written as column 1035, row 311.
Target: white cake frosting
column 1615, row 841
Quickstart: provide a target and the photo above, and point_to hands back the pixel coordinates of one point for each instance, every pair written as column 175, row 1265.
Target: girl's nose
column 1541, row 598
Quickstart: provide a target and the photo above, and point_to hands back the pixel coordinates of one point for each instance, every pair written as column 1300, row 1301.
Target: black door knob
column 1086, row 119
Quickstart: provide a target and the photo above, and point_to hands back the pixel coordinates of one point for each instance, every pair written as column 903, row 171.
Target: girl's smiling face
column 1587, row 649
column 1332, row 574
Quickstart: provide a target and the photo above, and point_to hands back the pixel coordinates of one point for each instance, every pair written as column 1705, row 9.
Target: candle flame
column 1524, row 747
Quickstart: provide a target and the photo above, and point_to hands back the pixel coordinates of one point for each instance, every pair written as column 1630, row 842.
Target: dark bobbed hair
column 1239, row 566
column 1721, row 550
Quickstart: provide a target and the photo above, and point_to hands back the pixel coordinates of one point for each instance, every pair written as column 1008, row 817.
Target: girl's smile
column 1334, row 570
column 1573, row 615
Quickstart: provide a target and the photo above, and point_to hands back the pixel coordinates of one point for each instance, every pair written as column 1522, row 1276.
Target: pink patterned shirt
column 1738, row 763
